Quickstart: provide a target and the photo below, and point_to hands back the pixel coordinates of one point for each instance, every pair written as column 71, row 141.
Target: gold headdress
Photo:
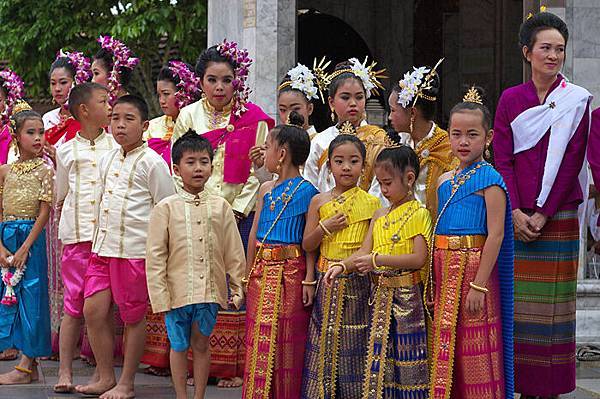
column 347, row 128
column 472, row 96
column 310, row 83
column 366, row 73
column 20, row 106
column 388, row 142
column 415, row 83
column 543, row 8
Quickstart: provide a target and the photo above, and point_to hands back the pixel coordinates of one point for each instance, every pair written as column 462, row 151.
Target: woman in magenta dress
column 541, row 130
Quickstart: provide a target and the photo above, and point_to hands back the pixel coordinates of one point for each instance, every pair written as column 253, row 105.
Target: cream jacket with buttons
column 193, row 244
column 131, row 184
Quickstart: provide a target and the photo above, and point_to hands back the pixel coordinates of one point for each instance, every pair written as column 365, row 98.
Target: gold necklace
column 402, row 220
column 24, row 167
column 460, row 179
column 283, row 197
column 216, row 118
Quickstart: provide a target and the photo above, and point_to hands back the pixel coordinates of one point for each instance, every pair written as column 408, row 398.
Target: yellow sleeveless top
column 394, row 233
column 359, row 207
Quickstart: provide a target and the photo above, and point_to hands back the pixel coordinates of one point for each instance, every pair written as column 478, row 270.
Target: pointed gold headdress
column 347, row 128
column 472, row 96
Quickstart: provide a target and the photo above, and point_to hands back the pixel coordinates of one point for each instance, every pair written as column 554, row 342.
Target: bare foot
column 97, row 387
column 9, row 354
column 121, row 391
column 234, row 382
column 64, row 384
column 15, row 377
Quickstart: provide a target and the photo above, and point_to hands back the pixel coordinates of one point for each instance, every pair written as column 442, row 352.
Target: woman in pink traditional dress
column 176, row 86
column 68, row 69
column 11, row 90
column 233, row 126
column 541, row 129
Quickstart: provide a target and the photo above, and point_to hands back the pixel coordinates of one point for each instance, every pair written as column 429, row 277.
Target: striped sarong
column 545, row 292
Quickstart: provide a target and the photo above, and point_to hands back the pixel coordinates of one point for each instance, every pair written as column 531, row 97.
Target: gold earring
column 487, row 153
column 412, row 121
column 279, row 163
column 332, row 115
column 364, row 116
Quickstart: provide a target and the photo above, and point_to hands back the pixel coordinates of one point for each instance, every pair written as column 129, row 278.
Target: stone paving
column 152, row 387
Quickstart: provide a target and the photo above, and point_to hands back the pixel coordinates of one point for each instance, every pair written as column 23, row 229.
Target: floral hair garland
column 15, row 89
column 122, row 58
column 188, row 86
column 81, row 64
column 415, row 83
column 366, row 73
column 309, row 82
column 241, row 62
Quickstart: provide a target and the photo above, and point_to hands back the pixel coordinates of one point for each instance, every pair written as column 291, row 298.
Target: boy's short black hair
column 137, row 102
column 81, row 94
column 190, row 141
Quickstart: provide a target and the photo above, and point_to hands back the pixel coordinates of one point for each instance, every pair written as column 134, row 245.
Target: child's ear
column 176, row 169
column 310, row 108
column 410, row 178
column 145, row 125
column 489, row 136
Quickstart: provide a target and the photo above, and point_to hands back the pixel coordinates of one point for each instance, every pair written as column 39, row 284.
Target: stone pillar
column 581, row 67
column 267, row 28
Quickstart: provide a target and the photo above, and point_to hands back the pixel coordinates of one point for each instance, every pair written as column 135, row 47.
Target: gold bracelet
column 309, row 283
column 478, row 288
column 342, row 264
column 374, row 259
column 327, row 232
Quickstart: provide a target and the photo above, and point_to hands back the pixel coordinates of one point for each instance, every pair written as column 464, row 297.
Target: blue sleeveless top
column 465, row 214
column 289, row 228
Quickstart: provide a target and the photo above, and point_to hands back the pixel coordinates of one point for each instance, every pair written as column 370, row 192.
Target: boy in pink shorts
column 133, row 178
column 77, row 175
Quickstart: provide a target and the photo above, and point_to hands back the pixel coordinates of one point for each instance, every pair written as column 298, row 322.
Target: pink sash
column 162, row 147
column 239, row 136
column 5, row 140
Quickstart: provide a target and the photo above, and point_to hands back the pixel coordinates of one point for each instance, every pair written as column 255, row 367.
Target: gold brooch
column 230, row 128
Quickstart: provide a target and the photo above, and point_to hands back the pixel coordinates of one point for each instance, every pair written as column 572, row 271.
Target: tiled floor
column 151, row 387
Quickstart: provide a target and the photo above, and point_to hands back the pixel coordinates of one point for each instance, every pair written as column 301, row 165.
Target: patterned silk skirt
column 339, row 328
column 397, row 347
column 467, row 347
column 545, row 292
column 276, row 329
column 25, row 325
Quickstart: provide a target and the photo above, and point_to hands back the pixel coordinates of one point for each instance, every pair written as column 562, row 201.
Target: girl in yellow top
column 393, row 251
column 337, row 223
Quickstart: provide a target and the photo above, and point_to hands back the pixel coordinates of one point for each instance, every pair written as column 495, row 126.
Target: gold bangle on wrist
column 310, row 283
column 374, row 259
column 341, row 264
column 325, row 230
column 478, row 288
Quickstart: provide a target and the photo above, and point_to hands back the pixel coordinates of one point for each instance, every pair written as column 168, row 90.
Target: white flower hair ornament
column 365, row 72
column 413, row 85
column 309, row 82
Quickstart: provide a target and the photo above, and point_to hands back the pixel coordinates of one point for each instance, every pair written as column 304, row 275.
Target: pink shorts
column 74, row 263
column 126, row 279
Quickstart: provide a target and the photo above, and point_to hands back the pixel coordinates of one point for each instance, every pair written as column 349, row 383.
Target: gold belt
column 460, row 242
column 278, row 253
column 403, row 280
